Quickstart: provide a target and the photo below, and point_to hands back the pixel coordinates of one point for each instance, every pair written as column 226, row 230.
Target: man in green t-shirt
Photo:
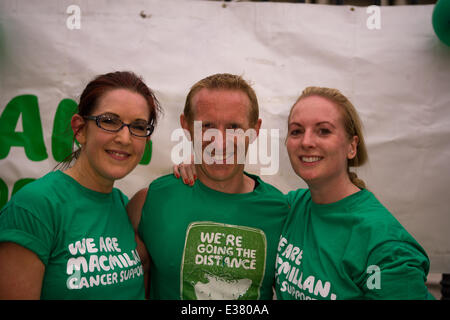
column 218, row 238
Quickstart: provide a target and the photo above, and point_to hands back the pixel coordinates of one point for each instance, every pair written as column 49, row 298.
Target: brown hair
column 223, row 81
column 104, row 83
column 352, row 124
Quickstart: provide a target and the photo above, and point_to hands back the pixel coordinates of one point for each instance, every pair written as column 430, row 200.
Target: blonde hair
column 223, row 81
column 352, row 124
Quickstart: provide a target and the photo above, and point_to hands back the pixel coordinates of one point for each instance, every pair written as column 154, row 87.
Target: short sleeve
column 123, row 198
column 396, row 270
column 294, row 196
column 26, row 229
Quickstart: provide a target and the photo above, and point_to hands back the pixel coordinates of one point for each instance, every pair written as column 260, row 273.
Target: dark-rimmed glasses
column 112, row 123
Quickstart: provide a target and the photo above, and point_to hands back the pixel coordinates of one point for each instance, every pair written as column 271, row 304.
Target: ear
column 256, row 128
column 79, row 129
column 185, row 125
column 353, row 147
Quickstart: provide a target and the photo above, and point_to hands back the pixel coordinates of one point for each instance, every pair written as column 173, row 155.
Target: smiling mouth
column 223, row 157
column 310, row 159
column 118, row 155
column 218, row 158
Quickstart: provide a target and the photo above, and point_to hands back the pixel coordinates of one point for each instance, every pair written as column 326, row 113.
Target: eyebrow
column 116, row 115
column 317, row 124
column 233, row 122
column 326, row 122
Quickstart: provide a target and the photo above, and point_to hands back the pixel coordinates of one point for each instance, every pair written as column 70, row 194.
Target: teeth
column 221, row 158
column 118, row 154
column 310, row 159
column 218, row 157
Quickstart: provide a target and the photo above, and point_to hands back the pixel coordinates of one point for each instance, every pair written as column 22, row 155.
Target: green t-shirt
column 350, row 249
column 83, row 238
column 206, row 244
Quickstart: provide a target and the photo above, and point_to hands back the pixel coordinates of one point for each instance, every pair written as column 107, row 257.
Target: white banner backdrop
column 388, row 61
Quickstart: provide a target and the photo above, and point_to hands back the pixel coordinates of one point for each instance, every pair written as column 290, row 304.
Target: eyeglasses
column 112, row 123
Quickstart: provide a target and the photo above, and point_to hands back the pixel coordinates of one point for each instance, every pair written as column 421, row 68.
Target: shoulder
column 380, row 229
column 298, row 202
column 166, row 182
column 298, row 196
column 41, row 192
column 376, row 238
column 267, row 194
column 122, row 198
column 40, row 185
column 29, row 218
column 370, row 213
column 163, row 186
column 264, row 186
column 134, row 207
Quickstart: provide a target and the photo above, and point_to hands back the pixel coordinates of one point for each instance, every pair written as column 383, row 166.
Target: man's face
column 219, row 110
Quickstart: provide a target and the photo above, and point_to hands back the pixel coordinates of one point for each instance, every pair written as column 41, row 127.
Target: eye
column 206, row 125
column 324, row 131
column 295, row 132
column 110, row 120
column 140, row 125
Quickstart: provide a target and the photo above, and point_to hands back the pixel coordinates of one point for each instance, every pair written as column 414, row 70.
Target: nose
column 308, row 140
column 218, row 137
column 226, row 140
column 123, row 136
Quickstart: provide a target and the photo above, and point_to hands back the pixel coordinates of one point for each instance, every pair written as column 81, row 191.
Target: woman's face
column 112, row 155
column 317, row 143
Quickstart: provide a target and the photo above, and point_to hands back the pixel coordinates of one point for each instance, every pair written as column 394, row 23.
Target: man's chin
column 220, row 172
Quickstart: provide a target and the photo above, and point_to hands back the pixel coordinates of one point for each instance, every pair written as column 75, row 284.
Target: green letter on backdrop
column 20, row 184
column 32, row 138
column 147, row 156
column 3, row 193
column 62, row 136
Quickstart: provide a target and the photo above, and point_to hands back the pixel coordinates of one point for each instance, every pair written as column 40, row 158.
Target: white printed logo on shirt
column 222, row 261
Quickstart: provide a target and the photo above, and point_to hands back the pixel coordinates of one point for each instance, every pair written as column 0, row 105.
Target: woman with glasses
column 67, row 234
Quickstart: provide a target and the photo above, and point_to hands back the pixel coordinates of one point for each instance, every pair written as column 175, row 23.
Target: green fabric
column 69, row 226
column 206, row 244
column 350, row 249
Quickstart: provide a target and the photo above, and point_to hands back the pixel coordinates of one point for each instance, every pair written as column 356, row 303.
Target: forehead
column 123, row 102
column 220, row 104
column 315, row 109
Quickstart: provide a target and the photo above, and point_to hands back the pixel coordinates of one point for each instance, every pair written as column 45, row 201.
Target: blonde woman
column 339, row 241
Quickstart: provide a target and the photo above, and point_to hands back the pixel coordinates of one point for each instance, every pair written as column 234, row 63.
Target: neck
column 239, row 183
column 89, row 179
column 331, row 192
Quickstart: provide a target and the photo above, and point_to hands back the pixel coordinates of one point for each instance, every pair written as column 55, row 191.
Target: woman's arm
column 397, row 271
column 21, row 273
column 134, row 210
